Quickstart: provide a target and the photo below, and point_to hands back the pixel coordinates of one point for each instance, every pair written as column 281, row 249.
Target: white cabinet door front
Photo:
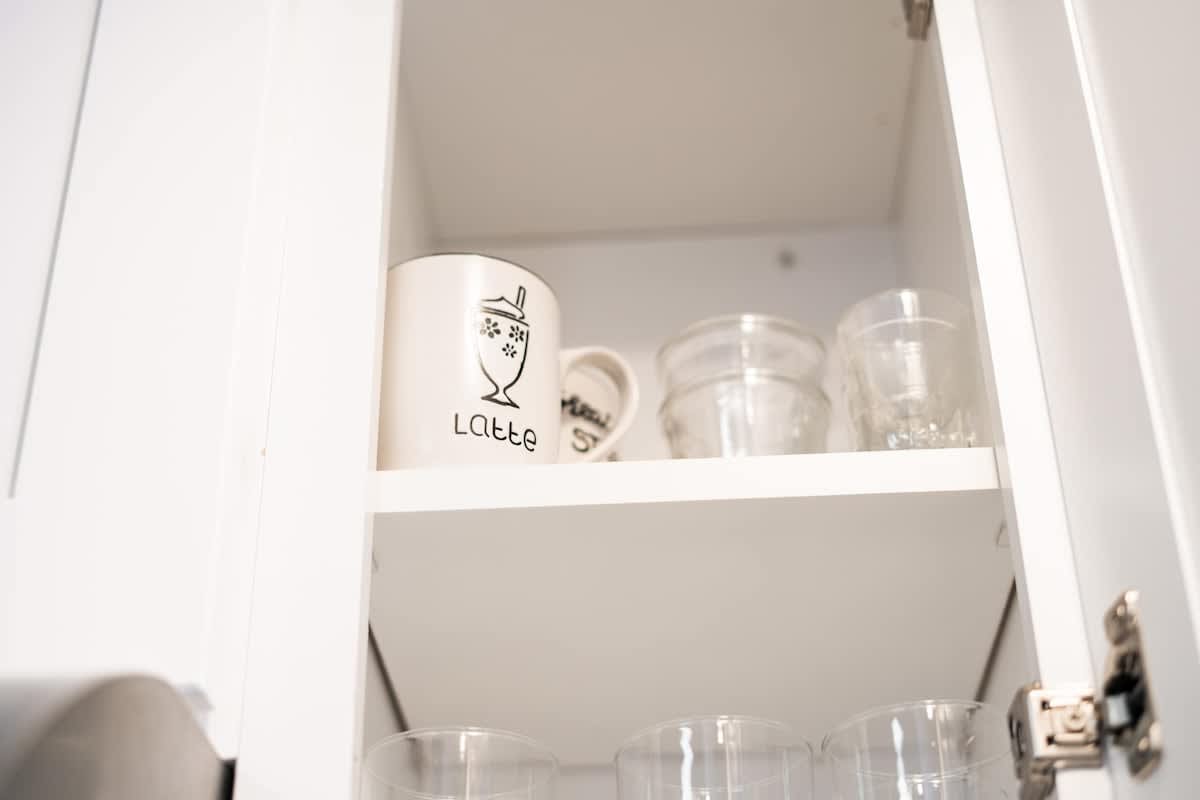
column 118, row 537
column 1105, row 506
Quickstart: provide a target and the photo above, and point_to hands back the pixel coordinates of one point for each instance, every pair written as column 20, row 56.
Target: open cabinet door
column 135, row 353
column 1093, row 463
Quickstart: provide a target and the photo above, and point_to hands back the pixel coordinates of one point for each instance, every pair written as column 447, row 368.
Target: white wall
column 597, row 782
column 925, row 208
column 410, row 232
column 634, row 294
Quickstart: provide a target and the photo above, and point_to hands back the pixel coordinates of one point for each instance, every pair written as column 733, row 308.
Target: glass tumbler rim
column 846, row 331
column 723, row 321
column 415, row 734
column 848, row 724
column 794, row 739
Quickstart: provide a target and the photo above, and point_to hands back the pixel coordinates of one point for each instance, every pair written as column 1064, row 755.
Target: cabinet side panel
column 301, row 733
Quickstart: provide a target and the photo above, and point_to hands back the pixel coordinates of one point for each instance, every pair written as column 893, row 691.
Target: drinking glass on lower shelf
column 931, row 750
column 458, row 764
column 715, row 758
column 910, row 370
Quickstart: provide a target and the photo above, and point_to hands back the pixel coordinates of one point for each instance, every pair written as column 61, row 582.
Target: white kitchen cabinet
column 197, row 494
column 127, row 532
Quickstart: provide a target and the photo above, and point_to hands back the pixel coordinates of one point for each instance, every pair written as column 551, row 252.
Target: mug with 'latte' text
column 473, row 373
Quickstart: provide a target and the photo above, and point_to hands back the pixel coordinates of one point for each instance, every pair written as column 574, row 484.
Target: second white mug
column 472, row 370
column 591, row 404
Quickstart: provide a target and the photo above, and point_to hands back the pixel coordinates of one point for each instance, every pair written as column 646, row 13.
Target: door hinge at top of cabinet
column 918, row 14
column 1064, row 727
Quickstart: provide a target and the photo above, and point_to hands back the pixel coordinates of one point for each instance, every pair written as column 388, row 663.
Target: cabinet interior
column 658, row 164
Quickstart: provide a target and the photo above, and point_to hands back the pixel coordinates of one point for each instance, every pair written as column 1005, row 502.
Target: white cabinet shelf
column 578, row 603
column 681, row 481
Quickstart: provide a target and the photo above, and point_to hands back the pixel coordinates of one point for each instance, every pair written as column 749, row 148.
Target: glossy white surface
column 471, row 368
column 1056, row 632
column 308, row 633
column 579, row 603
column 1112, row 173
column 684, row 480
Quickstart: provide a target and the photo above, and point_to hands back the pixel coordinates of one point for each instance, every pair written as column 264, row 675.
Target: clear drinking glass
column 931, row 750
column 459, row 764
column 740, row 385
column 715, row 758
column 910, row 370
column 740, row 341
column 750, row 413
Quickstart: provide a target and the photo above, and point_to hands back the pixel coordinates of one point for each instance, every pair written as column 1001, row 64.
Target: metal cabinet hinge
column 1052, row 730
column 1064, row 727
column 918, row 14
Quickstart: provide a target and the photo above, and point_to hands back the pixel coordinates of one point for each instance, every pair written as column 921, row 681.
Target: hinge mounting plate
column 1064, row 727
column 1128, row 707
column 1052, row 730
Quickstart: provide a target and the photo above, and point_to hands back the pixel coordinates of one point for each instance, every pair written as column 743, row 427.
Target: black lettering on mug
column 583, row 441
column 482, row 419
column 577, row 407
column 496, row 430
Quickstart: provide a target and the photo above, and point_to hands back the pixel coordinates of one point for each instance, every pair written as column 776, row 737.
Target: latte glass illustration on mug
column 503, row 344
column 473, row 372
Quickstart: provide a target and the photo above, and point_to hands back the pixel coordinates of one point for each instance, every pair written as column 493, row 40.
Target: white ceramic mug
column 472, row 372
column 591, row 404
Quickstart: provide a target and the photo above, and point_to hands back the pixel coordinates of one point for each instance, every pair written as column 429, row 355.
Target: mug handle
column 622, row 376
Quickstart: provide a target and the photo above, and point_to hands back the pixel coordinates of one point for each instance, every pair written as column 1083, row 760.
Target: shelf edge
column 636, row 482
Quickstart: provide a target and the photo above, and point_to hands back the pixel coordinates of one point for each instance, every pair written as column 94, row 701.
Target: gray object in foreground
column 124, row 738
